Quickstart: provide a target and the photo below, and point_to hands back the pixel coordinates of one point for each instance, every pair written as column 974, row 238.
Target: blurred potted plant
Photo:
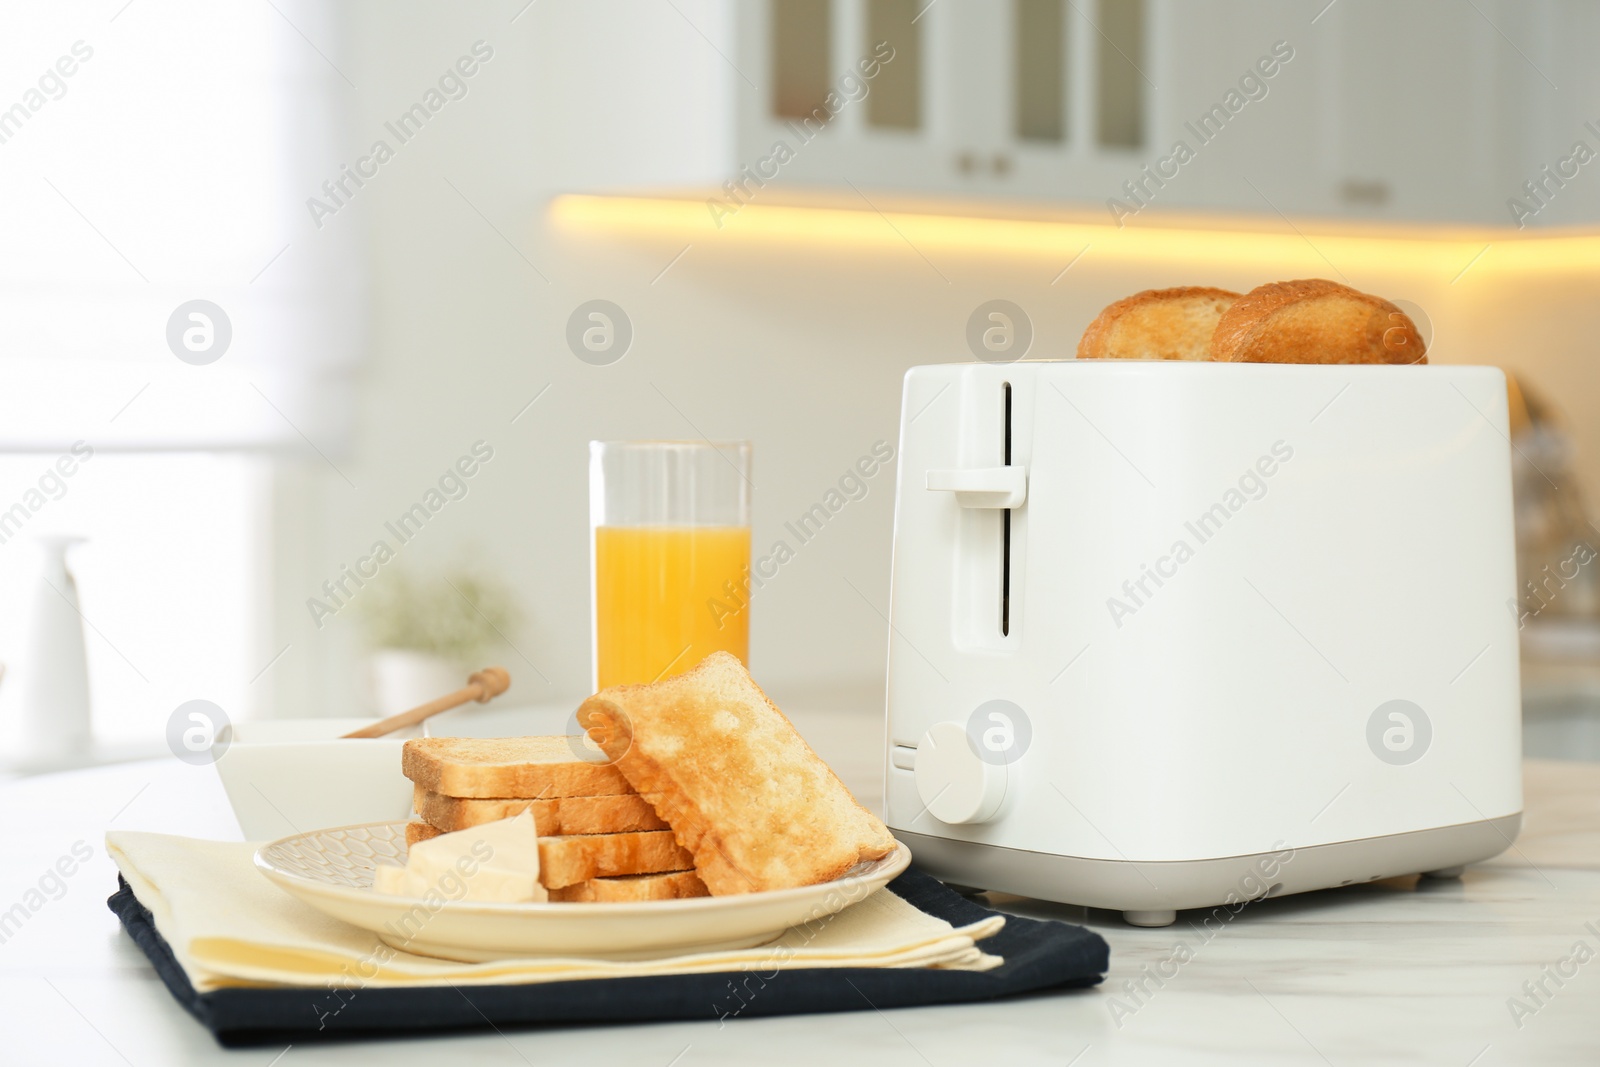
column 427, row 633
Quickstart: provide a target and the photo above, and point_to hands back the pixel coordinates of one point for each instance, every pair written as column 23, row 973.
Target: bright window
column 170, row 579
column 155, row 159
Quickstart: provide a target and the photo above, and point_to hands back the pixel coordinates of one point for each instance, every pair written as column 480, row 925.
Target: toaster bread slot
column 1005, row 516
column 978, row 479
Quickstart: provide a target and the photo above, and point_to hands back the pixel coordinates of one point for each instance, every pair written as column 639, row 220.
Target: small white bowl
column 293, row 776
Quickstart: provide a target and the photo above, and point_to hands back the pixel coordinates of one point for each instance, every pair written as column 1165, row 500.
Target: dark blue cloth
column 1039, row 956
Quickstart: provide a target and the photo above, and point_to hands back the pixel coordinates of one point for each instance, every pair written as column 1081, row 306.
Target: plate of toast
column 690, row 816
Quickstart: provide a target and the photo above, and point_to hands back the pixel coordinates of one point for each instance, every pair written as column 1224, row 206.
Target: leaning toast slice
column 609, row 814
column 737, row 783
column 515, row 767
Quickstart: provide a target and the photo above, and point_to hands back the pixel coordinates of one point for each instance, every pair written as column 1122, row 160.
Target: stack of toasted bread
column 693, row 785
column 599, row 840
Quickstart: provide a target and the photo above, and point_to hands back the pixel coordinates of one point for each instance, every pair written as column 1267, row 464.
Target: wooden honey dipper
column 483, row 686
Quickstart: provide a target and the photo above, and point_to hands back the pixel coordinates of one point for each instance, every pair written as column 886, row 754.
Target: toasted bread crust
column 1315, row 321
column 565, row 861
column 556, row 815
column 1157, row 324
column 739, row 786
column 670, row 885
column 509, row 767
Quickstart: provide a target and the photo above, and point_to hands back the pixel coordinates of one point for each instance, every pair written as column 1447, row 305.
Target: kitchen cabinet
column 1003, row 101
column 1431, row 110
column 1386, row 111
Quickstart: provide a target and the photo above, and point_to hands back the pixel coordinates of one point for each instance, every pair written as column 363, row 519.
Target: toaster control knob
column 955, row 784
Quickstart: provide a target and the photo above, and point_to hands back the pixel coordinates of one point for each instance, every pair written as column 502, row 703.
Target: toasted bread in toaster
column 737, row 783
column 567, row 860
column 671, row 885
column 1315, row 321
column 510, row 767
column 556, row 815
column 1157, row 324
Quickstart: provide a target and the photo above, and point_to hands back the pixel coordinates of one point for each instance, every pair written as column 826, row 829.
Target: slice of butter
column 495, row 862
column 389, row 878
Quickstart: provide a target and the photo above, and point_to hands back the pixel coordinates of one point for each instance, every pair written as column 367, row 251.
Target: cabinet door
column 1416, row 122
column 1552, row 165
column 870, row 106
column 1080, row 80
column 1239, row 110
column 968, row 93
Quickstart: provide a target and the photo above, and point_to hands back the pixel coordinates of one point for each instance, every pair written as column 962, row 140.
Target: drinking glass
column 669, row 556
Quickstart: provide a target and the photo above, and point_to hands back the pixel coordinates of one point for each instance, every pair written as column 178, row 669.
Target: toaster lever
column 983, row 487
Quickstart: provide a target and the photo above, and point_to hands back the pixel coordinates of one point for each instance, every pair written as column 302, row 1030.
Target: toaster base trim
column 1148, row 892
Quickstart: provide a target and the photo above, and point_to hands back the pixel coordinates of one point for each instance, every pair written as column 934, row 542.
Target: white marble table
column 1388, row 972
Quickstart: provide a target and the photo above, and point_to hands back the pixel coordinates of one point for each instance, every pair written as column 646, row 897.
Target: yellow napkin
column 228, row 926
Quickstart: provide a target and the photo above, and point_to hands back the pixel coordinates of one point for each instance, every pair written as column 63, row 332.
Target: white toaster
column 1169, row 635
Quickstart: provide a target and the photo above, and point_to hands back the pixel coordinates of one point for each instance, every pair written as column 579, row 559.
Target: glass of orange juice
column 670, row 555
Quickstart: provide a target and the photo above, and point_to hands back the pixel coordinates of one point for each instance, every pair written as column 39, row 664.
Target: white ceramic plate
column 332, row 871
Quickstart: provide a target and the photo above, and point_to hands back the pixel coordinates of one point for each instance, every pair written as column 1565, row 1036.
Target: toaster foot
column 1149, row 918
column 1444, row 872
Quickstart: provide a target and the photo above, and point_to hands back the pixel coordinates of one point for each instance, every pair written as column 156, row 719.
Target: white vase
column 56, row 696
column 403, row 678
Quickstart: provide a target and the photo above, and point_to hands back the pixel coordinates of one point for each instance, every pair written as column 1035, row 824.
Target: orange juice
column 665, row 597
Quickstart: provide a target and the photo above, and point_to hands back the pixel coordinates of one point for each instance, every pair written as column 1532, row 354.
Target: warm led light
column 1444, row 252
